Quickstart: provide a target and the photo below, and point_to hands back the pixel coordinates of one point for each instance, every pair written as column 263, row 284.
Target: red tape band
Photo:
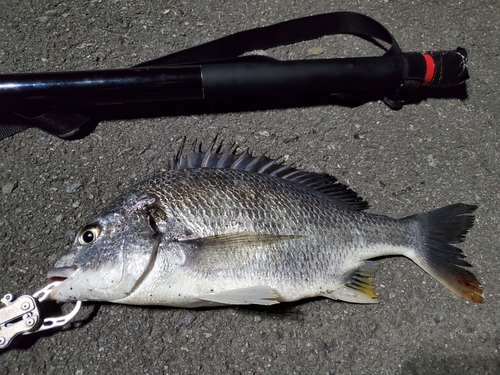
column 430, row 69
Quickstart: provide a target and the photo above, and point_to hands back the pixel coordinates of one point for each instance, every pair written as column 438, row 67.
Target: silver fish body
column 222, row 229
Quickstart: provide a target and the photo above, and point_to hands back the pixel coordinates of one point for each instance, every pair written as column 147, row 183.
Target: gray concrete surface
column 428, row 155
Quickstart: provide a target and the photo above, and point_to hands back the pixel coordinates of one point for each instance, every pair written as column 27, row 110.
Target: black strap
column 280, row 34
column 9, row 129
column 66, row 124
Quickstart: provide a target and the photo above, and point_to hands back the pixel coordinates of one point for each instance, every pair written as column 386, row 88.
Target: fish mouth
column 61, row 273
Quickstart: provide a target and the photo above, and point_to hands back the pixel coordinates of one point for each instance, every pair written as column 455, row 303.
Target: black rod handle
column 281, row 78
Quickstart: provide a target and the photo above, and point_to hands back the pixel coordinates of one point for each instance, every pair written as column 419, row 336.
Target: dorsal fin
column 245, row 161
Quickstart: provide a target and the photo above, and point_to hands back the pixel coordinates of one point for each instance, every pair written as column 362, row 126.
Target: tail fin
column 439, row 229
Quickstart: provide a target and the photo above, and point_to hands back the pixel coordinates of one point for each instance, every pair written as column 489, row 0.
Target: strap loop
column 281, row 34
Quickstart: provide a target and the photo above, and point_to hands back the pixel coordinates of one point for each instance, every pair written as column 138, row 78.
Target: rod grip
column 278, row 78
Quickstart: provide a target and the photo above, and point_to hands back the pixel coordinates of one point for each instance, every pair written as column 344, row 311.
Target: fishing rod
column 229, row 80
column 62, row 102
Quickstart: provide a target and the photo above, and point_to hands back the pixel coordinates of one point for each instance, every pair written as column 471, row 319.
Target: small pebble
column 9, row 187
column 315, row 51
column 187, row 319
column 71, row 187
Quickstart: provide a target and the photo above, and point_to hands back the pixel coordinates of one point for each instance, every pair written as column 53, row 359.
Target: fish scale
column 227, row 228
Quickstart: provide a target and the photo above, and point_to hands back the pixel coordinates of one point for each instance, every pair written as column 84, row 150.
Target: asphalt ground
column 427, row 155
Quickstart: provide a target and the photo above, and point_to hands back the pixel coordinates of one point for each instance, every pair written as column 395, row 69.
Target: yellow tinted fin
column 359, row 287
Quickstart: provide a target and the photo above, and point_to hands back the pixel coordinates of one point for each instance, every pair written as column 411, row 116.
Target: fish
column 229, row 228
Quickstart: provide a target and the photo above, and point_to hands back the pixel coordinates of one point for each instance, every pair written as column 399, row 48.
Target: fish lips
column 61, row 273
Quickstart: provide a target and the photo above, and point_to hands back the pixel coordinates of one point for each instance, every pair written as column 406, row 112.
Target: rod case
column 67, row 104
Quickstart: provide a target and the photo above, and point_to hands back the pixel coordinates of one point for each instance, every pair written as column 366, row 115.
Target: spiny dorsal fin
column 244, row 161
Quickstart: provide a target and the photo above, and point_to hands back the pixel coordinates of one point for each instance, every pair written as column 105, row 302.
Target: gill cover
column 110, row 256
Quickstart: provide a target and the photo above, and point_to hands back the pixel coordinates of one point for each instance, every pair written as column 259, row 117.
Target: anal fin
column 359, row 287
column 255, row 295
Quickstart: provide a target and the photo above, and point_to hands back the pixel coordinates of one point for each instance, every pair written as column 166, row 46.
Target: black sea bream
column 222, row 228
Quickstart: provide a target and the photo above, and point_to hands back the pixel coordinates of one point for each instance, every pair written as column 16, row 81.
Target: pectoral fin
column 231, row 241
column 359, row 287
column 255, row 295
column 233, row 249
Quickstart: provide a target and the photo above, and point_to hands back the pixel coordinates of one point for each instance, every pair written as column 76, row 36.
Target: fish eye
column 89, row 235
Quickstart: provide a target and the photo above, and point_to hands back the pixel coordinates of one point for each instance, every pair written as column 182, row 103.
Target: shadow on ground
column 455, row 365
